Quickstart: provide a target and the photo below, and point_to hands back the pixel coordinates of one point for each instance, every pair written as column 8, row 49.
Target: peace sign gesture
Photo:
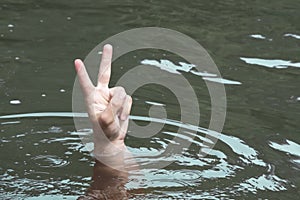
column 108, row 108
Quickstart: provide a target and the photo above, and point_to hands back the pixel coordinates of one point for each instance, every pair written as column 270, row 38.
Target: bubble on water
column 41, row 21
column 43, row 95
column 17, row 58
column 62, row 90
column 298, row 98
column 15, row 102
column 10, row 26
column 69, row 18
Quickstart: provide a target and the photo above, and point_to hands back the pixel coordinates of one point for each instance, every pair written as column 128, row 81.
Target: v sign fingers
column 105, row 66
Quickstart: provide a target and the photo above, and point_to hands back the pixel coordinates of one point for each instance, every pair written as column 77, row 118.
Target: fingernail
column 107, row 46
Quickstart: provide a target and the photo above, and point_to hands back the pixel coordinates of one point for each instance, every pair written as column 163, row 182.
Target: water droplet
column 15, row 102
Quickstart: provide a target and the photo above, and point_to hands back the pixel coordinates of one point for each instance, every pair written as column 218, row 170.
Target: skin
column 108, row 110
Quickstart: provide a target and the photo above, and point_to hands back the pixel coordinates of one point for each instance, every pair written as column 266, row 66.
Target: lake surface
column 256, row 46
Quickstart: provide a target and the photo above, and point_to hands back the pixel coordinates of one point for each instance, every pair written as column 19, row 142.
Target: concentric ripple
column 229, row 164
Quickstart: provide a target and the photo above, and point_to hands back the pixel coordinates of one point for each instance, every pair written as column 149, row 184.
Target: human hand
column 108, row 108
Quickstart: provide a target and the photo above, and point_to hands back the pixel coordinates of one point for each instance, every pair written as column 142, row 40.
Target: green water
column 42, row 156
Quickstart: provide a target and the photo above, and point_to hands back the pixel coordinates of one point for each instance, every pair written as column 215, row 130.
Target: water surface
column 254, row 44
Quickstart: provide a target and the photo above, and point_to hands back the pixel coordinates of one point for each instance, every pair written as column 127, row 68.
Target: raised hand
column 108, row 108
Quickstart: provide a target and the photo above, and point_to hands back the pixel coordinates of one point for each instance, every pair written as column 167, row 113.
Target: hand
column 108, row 108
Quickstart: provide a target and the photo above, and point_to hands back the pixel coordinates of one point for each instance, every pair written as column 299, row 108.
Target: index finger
column 105, row 66
column 83, row 77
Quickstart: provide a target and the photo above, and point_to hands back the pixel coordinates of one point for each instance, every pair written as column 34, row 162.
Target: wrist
column 112, row 154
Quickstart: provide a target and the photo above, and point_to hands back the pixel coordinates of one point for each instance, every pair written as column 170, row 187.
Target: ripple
column 49, row 161
column 189, row 168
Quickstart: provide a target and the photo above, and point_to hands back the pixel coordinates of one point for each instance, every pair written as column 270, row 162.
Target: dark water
column 255, row 44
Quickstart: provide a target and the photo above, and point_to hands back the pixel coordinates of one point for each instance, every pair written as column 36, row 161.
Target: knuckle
column 104, row 120
column 120, row 90
column 116, row 103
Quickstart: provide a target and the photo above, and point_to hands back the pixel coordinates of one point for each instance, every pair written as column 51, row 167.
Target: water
column 254, row 44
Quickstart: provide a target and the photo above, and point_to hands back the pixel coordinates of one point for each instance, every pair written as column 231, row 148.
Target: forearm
column 108, row 183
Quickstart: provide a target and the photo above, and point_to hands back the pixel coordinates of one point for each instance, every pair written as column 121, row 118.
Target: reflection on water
column 169, row 66
column 227, row 165
column 291, row 148
column 258, row 36
column 270, row 63
column 292, row 35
